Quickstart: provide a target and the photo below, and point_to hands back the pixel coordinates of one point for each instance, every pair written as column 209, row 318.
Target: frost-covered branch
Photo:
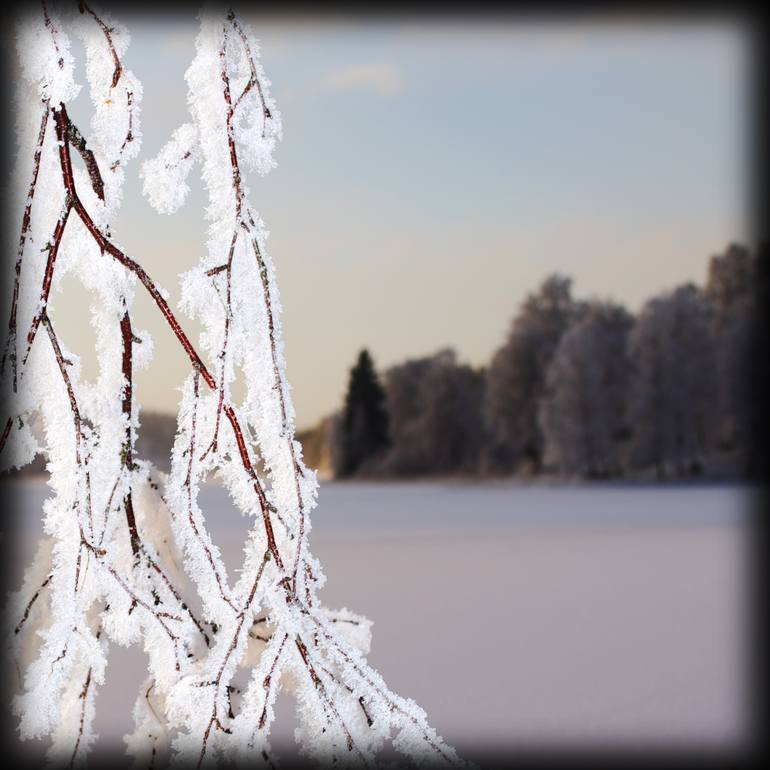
column 121, row 562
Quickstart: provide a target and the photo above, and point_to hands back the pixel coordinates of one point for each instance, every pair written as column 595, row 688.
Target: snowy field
column 523, row 617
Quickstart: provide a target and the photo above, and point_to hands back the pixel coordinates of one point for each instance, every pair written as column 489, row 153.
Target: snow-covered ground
column 524, row 617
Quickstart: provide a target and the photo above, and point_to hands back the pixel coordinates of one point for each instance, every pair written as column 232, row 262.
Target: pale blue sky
column 432, row 173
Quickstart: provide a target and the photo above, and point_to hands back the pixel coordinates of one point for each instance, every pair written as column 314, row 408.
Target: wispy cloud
column 383, row 79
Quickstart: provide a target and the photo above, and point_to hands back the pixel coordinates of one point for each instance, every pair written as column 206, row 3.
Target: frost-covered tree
column 435, row 412
column 672, row 401
column 582, row 411
column 730, row 289
column 730, row 283
column 758, row 465
column 516, row 375
column 127, row 558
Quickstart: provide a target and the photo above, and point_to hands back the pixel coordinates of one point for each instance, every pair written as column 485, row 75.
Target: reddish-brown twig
column 253, row 78
column 10, row 345
column 53, row 249
column 128, row 443
column 118, row 71
column 30, row 603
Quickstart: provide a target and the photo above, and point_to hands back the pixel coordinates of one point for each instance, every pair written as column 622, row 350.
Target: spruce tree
column 365, row 421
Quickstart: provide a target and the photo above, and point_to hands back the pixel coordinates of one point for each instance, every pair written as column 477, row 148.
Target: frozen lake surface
column 461, row 508
column 524, row 617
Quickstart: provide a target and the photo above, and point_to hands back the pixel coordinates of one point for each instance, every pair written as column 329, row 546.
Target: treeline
column 578, row 389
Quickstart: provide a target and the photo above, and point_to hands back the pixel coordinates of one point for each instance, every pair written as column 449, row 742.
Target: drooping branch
column 61, row 120
column 247, row 223
column 137, row 589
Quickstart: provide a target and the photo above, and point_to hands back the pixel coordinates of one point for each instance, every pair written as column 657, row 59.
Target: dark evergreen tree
column 364, row 424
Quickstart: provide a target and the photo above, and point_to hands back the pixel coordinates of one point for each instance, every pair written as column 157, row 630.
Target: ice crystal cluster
column 126, row 557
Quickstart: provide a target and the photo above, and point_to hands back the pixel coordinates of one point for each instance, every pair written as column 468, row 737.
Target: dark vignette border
column 758, row 368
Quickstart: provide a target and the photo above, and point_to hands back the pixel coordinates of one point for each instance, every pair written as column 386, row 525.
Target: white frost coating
column 165, row 176
column 123, row 563
column 46, row 61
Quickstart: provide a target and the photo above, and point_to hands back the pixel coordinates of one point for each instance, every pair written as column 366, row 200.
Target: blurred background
column 520, row 284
